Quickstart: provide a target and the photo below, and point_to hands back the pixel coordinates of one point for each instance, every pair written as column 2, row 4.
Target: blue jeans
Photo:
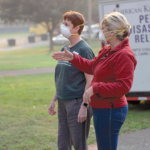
column 107, row 123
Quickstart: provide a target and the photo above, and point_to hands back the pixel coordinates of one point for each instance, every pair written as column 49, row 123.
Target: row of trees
column 37, row 11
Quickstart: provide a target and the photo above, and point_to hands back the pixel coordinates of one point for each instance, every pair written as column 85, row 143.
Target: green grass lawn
column 37, row 57
column 25, row 123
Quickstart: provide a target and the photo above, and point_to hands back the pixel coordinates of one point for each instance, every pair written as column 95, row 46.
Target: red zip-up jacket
column 113, row 71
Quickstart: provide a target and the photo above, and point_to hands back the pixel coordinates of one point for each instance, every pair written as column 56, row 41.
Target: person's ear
column 76, row 29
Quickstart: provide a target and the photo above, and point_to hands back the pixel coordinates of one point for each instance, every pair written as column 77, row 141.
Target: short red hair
column 76, row 19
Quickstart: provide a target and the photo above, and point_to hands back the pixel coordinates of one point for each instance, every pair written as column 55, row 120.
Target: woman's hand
column 63, row 56
column 87, row 95
column 52, row 107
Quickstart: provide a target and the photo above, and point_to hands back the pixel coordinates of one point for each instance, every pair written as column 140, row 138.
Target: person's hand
column 87, row 95
column 63, row 56
column 82, row 114
column 51, row 108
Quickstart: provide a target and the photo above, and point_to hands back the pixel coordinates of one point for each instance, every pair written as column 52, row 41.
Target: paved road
column 27, row 71
column 36, row 44
column 139, row 140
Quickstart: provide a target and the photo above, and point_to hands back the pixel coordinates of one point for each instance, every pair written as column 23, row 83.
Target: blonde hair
column 116, row 21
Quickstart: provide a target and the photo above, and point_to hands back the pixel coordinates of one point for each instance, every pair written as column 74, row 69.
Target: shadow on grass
column 140, row 107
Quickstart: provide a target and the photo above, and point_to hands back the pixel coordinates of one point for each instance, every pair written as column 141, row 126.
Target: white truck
column 137, row 13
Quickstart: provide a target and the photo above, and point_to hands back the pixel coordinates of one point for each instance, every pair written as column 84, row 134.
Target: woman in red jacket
column 113, row 71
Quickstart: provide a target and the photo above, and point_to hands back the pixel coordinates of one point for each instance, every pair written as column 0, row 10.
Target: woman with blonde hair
column 113, row 71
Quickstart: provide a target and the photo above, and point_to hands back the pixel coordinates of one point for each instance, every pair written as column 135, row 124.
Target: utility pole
column 89, row 21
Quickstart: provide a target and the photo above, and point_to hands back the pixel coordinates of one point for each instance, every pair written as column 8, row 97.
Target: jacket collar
column 107, row 49
column 121, row 45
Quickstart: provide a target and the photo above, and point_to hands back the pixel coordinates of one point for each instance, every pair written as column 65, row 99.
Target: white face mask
column 65, row 31
column 102, row 37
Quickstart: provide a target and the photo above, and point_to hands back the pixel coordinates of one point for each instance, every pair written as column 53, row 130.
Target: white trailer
column 137, row 13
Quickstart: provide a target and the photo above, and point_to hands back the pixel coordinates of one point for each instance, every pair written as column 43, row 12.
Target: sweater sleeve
column 123, row 76
column 83, row 64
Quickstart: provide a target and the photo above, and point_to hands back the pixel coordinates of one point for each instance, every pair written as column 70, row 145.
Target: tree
column 37, row 11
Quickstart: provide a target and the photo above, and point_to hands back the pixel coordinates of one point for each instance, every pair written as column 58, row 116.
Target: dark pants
column 71, row 132
column 107, row 123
